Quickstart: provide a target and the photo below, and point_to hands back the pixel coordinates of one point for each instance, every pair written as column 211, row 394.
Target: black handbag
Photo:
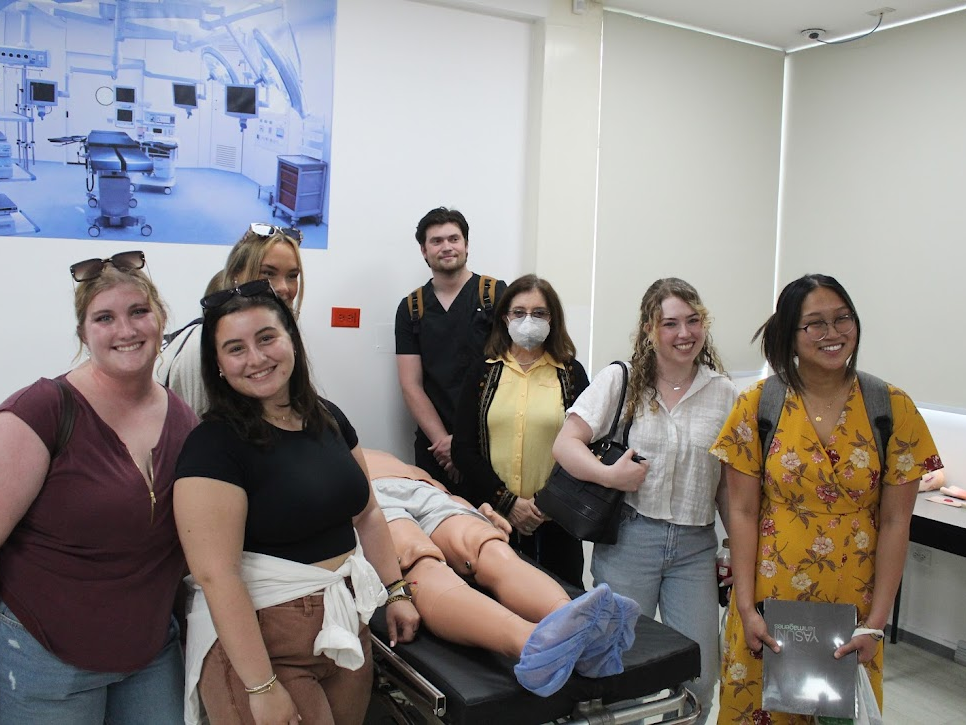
column 585, row 509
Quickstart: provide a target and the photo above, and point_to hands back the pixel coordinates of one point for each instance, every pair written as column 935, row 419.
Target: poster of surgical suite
column 169, row 119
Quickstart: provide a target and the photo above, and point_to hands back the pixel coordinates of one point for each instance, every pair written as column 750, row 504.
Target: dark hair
column 441, row 215
column 780, row 331
column 558, row 343
column 642, row 381
column 242, row 413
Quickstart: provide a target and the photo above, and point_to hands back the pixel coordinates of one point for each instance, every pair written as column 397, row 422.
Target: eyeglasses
column 93, row 268
column 518, row 313
column 267, row 230
column 818, row 330
column 249, row 289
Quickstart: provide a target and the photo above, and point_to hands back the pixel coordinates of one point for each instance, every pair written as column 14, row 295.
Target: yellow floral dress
column 818, row 523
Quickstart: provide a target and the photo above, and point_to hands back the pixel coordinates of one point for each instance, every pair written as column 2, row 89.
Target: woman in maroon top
column 89, row 554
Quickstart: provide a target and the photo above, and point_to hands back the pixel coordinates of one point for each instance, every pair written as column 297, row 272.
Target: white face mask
column 528, row 333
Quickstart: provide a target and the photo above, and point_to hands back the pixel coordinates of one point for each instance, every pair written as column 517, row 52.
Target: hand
column 494, row 518
column 274, row 707
column 442, row 452
column 402, row 620
column 626, row 474
column 864, row 644
column 756, row 632
column 525, row 516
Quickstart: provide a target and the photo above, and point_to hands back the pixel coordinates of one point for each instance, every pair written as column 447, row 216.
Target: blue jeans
column 38, row 688
column 659, row 563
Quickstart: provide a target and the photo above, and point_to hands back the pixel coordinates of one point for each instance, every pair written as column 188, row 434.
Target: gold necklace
column 279, row 418
column 828, row 405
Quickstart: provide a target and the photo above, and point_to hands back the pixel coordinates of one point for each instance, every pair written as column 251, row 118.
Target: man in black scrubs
column 440, row 329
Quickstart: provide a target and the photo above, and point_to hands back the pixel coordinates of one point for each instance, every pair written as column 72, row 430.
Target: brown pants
column 323, row 692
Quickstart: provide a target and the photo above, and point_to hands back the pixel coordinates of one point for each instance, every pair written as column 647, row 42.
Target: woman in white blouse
column 677, row 400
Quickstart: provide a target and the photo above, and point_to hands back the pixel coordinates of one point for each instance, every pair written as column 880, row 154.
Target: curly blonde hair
column 642, row 381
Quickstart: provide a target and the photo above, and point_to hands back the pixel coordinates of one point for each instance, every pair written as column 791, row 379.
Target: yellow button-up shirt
column 523, row 420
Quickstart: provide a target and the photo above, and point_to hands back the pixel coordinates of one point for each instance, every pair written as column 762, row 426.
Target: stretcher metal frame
column 412, row 682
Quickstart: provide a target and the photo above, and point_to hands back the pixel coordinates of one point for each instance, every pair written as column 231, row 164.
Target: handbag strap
column 612, row 435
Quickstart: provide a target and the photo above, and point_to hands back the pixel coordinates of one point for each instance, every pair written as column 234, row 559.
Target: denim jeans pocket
column 9, row 618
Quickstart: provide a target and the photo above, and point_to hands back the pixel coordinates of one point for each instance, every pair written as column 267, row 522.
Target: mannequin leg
column 454, row 611
column 469, row 543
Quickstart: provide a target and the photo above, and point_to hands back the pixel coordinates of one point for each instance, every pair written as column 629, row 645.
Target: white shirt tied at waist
column 272, row 581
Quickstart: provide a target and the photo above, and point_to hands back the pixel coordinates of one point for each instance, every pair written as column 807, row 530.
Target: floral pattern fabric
column 818, row 522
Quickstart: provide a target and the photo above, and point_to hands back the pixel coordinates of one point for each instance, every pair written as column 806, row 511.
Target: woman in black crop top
column 272, row 491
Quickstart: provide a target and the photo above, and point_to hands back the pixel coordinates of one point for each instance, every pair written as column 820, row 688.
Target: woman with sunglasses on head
column 677, row 399
column 274, row 509
column 509, row 413
column 89, row 555
column 817, row 519
column 265, row 251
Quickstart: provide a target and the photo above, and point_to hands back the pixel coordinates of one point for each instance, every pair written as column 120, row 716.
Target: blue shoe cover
column 603, row 657
column 560, row 638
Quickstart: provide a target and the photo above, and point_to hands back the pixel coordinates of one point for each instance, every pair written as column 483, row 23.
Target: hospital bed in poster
column 111, row 157
column 433, row 681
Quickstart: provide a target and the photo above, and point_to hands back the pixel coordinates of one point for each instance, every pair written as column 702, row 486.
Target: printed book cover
column 805, row 678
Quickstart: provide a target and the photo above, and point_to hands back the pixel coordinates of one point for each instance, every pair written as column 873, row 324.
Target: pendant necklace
column 677, row 386
column 828, row 409
column 828, row 406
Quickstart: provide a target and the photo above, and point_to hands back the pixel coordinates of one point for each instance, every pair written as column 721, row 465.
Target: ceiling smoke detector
column 813, row 33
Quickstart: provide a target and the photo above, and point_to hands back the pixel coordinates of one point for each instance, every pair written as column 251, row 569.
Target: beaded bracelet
column 263, row 688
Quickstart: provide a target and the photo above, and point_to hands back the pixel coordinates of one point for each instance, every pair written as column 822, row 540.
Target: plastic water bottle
column 723, row 569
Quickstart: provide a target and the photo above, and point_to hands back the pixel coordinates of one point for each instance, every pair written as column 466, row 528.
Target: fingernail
column 392, row 643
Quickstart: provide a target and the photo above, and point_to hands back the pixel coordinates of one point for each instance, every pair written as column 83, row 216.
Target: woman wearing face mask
column 510, row 411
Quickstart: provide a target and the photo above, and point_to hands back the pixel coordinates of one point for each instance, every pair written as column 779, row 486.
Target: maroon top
column 86, row 571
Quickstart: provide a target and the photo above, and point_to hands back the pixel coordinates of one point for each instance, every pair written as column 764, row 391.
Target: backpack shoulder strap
column 769, row 411
column 169, row 337
column 487, row 285
column 65, row 426
column 197, row 323
column 878, row 406
column 416, row 308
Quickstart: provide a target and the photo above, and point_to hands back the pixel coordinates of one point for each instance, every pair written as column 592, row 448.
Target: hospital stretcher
column 449, row 683
column 111, row 156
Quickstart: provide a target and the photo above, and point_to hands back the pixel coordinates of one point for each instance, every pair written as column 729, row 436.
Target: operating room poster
column 176, row 120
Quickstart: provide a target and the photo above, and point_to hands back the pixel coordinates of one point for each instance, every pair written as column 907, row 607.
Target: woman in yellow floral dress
column 819, row 522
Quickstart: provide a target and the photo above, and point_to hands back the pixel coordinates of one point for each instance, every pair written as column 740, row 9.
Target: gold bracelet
column 263, row 688
column 398, row 584
column 398, row 598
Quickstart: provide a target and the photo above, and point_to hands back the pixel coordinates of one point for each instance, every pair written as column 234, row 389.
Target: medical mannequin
column 464, row 544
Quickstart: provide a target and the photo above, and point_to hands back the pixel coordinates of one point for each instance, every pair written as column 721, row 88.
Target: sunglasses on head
column 93, row 268
column 249, row 289
column 267, row 230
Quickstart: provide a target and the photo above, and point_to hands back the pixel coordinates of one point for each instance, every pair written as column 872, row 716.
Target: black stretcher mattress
column 480, row 686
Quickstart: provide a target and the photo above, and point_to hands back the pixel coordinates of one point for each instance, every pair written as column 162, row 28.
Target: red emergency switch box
column 345, row 316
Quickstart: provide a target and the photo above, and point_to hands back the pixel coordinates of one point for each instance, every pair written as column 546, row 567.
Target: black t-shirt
column 302, row 491
column 448, row 341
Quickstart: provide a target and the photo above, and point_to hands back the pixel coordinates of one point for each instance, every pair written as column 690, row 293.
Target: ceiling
column 778, row 23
